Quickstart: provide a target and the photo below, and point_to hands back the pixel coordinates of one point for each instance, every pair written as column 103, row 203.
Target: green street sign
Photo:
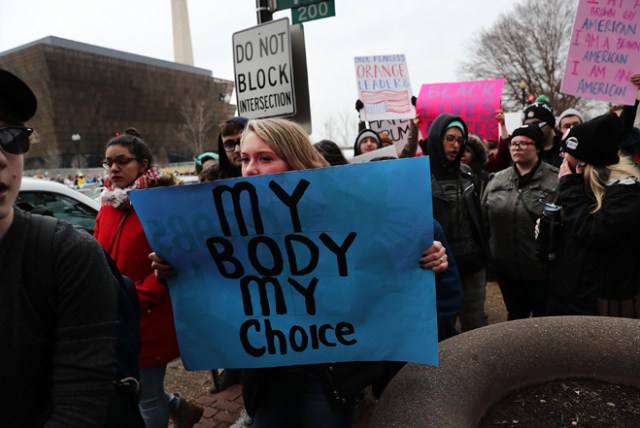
column 290, row 4
column 313, row 11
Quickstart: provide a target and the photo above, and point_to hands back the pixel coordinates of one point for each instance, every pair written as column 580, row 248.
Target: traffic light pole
column 263, row 11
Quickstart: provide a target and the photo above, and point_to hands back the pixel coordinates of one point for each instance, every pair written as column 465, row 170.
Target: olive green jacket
column 511, row 213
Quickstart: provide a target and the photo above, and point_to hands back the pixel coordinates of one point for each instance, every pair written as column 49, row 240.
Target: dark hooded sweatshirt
column 455, row 201
column 224, row 168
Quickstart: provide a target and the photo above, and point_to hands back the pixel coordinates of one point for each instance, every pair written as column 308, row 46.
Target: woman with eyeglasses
column 456, row 206
column 128, row 161
column 513, row 201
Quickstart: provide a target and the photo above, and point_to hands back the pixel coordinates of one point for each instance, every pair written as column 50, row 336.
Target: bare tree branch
column 199, row 120
column 341, row 128
column 529, row 43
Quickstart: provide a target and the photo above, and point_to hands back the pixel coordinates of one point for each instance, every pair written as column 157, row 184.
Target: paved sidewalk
column 221, row 410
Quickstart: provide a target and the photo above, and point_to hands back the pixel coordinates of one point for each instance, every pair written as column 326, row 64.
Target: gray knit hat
column 365, row 133
column 571, row 112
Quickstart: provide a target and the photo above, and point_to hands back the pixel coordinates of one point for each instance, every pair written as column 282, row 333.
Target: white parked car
column 65, row 203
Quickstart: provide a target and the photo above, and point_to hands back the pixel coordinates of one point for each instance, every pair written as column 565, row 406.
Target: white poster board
column 384, row 87
column 389, row 151
column 398, row 130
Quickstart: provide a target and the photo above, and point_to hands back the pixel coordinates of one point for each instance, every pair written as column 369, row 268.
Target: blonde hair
column 290, row 142
column 596, row 178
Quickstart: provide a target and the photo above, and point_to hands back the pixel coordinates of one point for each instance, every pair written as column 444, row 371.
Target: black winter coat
column 599, row 254
column 441, row 169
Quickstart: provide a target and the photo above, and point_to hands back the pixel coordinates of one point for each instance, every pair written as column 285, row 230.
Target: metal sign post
column 263, row 11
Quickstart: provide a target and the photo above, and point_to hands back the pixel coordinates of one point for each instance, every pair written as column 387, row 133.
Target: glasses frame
column 18, row 143
column 520, row 144
column 454, row 139
column 120, row 161
column 235, row 142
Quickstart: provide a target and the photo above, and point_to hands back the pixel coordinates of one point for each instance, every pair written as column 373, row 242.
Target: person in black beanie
column 542, row 112
column 512, row 202
column 596, row 271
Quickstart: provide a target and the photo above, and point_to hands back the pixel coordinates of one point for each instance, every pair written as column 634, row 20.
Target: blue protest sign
column 299, row 268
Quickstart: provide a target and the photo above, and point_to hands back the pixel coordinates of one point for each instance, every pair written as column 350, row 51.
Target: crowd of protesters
column 489, row 205
column 487, row 210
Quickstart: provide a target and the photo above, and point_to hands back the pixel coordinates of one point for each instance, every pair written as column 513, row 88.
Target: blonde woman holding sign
column 320, row 395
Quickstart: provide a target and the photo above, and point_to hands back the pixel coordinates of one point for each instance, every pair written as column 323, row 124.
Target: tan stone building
column 96, row 92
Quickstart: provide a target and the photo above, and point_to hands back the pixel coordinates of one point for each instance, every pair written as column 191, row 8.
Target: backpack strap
column 38, row 268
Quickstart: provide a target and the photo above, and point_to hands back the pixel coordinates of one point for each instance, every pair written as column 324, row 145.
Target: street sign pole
column 263, row 11
column 300, row 79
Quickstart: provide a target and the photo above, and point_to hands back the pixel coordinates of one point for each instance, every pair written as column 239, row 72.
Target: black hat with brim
column 17, row 101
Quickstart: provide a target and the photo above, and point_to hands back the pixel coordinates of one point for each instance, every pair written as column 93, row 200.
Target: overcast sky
column 434, row 35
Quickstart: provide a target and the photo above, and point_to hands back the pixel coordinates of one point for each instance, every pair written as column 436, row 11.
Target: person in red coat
column 119, row 231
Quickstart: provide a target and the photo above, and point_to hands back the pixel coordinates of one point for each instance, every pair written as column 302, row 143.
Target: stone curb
column 480, row 367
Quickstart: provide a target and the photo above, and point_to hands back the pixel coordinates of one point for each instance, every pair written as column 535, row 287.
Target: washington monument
column 182, row 50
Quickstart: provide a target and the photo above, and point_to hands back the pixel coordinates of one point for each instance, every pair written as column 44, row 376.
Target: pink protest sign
column 604, row 51
column 475, row 102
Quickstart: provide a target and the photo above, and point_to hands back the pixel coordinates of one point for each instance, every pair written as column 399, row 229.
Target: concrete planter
column 480, row 367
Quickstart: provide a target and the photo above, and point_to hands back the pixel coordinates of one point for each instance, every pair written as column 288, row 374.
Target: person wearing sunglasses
column 58, row 355
column 129, row 164
column 513, row 201
column 456, row 206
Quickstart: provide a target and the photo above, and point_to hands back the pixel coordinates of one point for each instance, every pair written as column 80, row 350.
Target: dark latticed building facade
column 95, row 92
